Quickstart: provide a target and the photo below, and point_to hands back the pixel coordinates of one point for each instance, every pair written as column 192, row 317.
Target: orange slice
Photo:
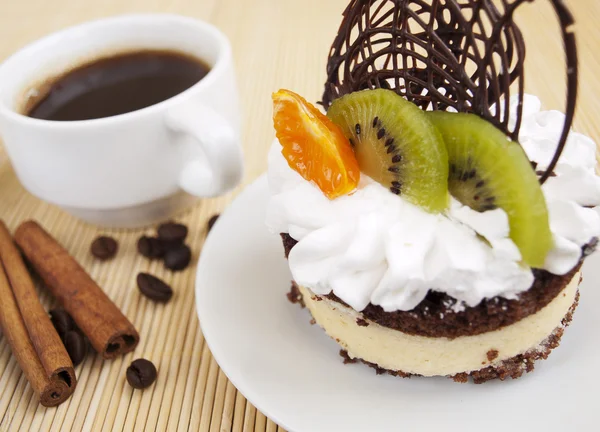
column 314, row 146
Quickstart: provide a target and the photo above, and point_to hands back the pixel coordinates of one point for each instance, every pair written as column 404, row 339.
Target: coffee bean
column 153, row 288
column 151, row 247
column 76, row 346
column 141, row 374
column 172, row 233
column 62, row 321
column 178, row 258
column 104, row 248
column 212, row 221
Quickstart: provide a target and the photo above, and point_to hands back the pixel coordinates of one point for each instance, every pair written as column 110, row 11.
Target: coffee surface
column 116, row 85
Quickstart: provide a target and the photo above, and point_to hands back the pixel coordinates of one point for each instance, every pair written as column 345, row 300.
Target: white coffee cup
column 136, row 168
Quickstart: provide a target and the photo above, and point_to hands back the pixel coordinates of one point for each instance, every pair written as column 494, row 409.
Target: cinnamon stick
column 37, row 347
column 109, row 331
column 46, row 341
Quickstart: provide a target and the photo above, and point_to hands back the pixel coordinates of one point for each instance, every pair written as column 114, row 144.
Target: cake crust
column 513, row 367
column 437, row 315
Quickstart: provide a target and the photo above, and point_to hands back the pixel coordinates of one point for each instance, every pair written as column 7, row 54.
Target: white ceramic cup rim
column 224, row 50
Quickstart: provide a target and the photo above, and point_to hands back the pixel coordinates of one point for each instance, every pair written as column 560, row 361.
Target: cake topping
column 314, row 146
column 489, row 171
column 390, row 58
column 375, row 247
column 420, row 155
column 463, row 55
column 397, row 145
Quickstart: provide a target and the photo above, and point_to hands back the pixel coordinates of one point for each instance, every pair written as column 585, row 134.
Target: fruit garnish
column 314, row 146
column 488, row 170
column 396, row 145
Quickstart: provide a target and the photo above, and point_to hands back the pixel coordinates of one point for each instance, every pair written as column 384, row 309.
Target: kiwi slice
column 488, row 170
column 396, row 145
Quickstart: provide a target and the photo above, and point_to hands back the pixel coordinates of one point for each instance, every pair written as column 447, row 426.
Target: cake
column 434, row 224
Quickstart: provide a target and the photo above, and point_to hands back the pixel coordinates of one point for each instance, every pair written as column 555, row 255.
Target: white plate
column 292, row 371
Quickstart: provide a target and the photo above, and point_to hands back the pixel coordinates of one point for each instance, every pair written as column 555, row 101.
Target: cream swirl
column 372, row 246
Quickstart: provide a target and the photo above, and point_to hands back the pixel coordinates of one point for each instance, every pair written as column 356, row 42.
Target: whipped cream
column 374, row 247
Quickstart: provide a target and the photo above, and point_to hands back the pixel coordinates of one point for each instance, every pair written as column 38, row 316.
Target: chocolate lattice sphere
column 466, row 55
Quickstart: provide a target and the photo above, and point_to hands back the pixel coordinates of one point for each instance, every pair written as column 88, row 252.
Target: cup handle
column 222, row 168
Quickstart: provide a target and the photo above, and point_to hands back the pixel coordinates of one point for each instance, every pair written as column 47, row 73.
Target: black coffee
column 117, row 85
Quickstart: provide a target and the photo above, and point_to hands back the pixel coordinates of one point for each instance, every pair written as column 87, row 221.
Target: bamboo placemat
column 276, row 43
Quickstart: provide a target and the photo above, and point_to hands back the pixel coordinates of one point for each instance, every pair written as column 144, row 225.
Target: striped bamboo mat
column 191, row 392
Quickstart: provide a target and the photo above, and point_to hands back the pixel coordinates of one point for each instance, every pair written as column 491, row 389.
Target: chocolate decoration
column 462, row 54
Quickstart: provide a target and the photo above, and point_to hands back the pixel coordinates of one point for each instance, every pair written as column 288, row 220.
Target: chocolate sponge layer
column 435, row 316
